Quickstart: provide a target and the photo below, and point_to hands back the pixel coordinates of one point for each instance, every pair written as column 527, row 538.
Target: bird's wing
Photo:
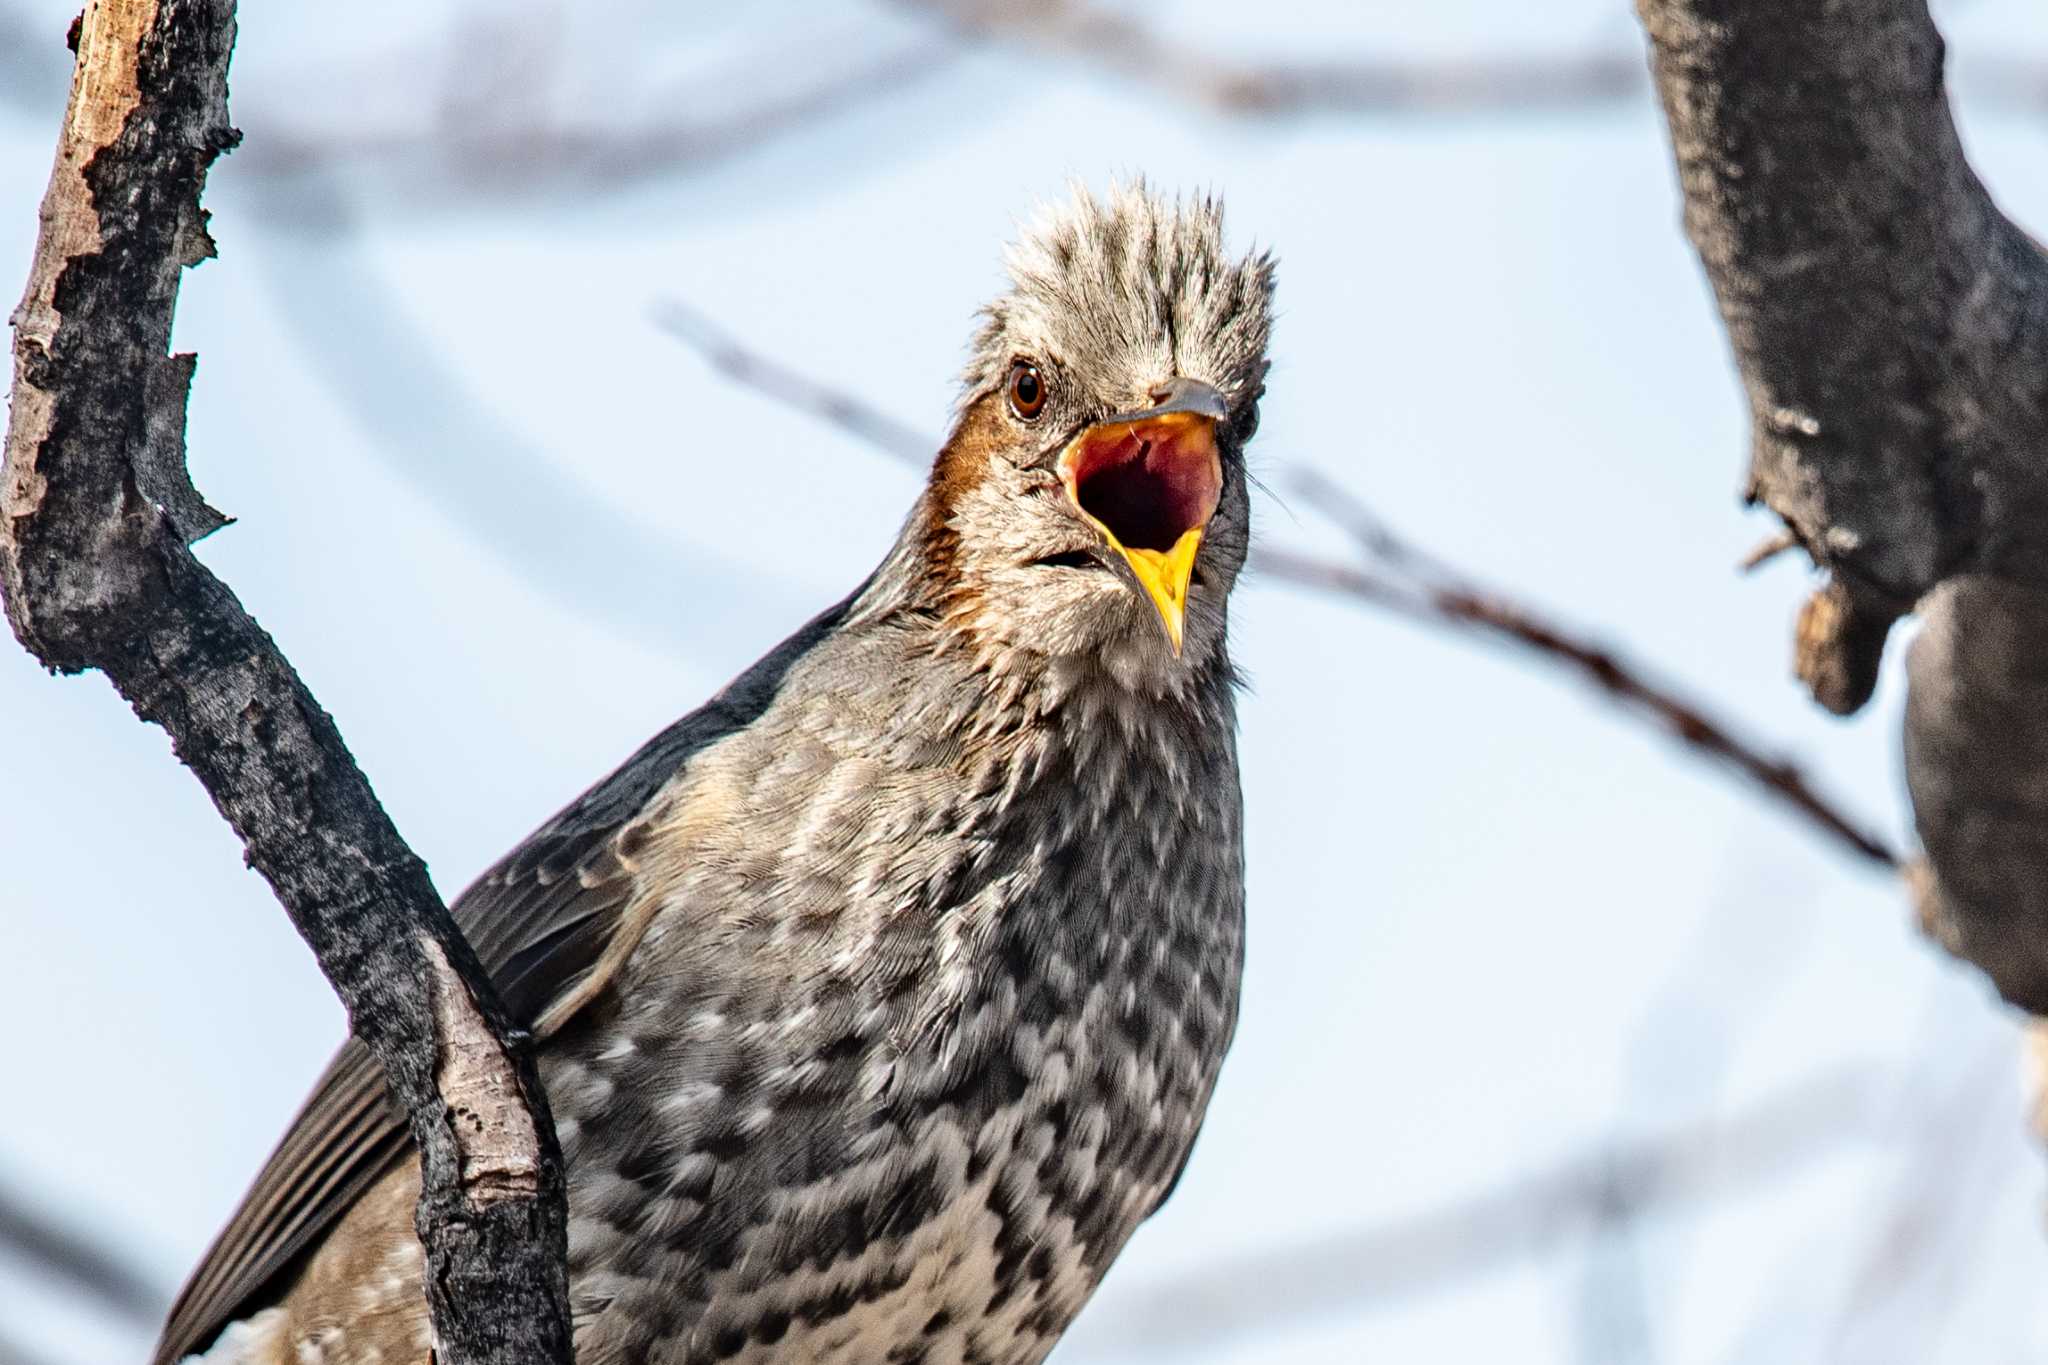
column 540, row 921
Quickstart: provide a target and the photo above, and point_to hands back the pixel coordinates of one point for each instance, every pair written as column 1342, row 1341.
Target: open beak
column 1149, row 482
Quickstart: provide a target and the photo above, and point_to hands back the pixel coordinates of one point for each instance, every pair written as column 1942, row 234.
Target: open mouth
column 1146, row 483
column 1149, row 486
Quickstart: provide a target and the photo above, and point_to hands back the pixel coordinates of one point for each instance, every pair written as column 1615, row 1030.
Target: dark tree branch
column 1891, row 326
column 96, row 516
column 1396, row 577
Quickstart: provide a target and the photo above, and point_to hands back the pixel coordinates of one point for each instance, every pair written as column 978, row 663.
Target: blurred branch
column 79, row 1259
column 13, row 1354
column 1396, row 577
column 1956, row 1159
column 512, row 145
column 1688, row 1166
column 1714, row 983
column 1095, row 35
column 1119, row 43
column 487, row 128
column 491, row 132
column 1611, row 1313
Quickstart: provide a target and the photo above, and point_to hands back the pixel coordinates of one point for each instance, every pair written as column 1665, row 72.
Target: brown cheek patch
column 962, row 464
column 963, row 460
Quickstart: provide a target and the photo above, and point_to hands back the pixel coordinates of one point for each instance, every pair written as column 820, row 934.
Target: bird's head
column 1091, row 497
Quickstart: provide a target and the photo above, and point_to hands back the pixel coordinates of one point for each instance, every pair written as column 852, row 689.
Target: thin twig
column 791, row 388
column 1397, row 577
column 1451, row 598
column 1490, row 613
column 1766, row 550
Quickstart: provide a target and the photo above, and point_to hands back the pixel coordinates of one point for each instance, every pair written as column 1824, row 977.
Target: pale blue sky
column 506, row 529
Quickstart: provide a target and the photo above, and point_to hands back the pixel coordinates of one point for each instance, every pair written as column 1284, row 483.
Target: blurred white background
column 1502, row 936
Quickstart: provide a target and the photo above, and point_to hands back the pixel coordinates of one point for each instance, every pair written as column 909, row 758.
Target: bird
column 879, row 1000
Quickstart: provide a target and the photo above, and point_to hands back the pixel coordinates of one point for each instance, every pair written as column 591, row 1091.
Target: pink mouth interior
column 1150, row 483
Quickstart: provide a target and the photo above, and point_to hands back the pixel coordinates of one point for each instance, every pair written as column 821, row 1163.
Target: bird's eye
column 1027, row 390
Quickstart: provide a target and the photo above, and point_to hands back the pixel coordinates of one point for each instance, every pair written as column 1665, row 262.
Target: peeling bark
column 97, row 513
column 495, row 1133
column 1891, row 328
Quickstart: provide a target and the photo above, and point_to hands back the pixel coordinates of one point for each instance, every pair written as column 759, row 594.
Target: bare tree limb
column 1891, row 326
column 97, row 513
column 1397, row 577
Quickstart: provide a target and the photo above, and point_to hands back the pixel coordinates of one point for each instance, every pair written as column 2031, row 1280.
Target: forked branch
column 97, row 514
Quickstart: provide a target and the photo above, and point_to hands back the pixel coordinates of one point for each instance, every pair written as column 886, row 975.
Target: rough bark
column 97, row 513
column 1891, row 328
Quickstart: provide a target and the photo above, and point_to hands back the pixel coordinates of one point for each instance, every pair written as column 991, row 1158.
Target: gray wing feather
column 539, row 920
